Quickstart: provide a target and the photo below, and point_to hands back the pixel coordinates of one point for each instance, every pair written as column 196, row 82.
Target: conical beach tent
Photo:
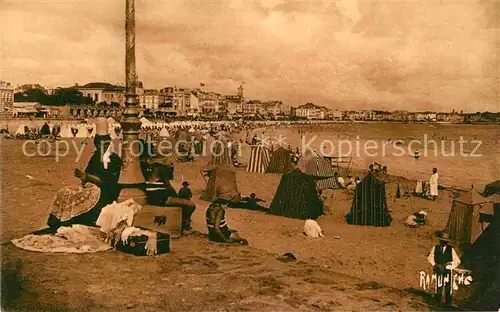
column 369, row 206
column 220, row 154
column 20, row 130
column 467, row 215
column 164, row 132
column 483, row 258
column 259, row 159
column 66, row 131
column 280, row 162
column 145, row 122
column 316, row 165
column 297, row 197
column 492, row 189
column 221, row 185
column 83, row 131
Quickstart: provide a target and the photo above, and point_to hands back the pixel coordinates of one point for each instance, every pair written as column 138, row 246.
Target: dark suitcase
column 136, row 245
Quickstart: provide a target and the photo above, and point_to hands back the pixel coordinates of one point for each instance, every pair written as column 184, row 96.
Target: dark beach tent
column 468, row 217
column 492, row 189
column 280, row 162
column 297, row 197
column 221, row 185
column 483, row 259
column 221, row 154
column 369, row 206
column 259, row 159
column 318, row 166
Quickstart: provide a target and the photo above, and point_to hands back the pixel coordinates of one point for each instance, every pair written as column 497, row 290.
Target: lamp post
column 131, row 177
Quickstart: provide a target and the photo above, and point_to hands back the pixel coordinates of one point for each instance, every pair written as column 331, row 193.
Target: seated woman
column 102, row 170
column 218, row 231
column 249, row 203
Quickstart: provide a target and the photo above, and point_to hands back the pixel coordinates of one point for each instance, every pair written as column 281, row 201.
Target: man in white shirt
column 339, row 179
column 433, row 184
column 443, row 259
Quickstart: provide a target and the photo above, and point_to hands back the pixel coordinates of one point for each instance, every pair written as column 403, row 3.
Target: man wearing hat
column 443, row 259
column 187, row 212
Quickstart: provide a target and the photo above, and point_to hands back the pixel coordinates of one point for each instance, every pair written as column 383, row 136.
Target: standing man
column 433, row 184
column 443, row 259
column 187, row 210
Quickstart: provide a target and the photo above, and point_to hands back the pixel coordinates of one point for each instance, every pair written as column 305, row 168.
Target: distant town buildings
column 6, row 95
column 106, row 100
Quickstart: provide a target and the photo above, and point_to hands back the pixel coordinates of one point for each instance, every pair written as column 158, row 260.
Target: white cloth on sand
column 75, row 239
column 433, row 184
column 114, row 213
column 151, row 249
column 312, row 229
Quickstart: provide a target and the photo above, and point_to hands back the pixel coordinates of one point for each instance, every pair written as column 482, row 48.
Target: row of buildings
column 183, row 101
column 173, row 100
column 314, row 112
column 198, row 101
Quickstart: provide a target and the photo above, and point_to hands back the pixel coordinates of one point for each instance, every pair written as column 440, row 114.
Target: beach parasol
column 74, row 200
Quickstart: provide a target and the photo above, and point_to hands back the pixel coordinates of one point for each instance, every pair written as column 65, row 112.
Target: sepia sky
column 346, row 54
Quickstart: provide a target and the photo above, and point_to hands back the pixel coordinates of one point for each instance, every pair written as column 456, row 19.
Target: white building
column 151, row 99
column 310, row 111
column 6, row 95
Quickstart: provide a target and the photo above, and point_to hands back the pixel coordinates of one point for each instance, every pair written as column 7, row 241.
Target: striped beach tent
column 369, row 205
column 280, row 162
column 259, row 159
column 221, row 154
column 468, row 211
column 316, row 165
column 296, row 197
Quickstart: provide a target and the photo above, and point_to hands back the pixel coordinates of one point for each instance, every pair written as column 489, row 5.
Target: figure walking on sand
column 433, row 184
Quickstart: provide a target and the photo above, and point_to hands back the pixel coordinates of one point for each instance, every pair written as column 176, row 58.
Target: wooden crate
column 160, row 219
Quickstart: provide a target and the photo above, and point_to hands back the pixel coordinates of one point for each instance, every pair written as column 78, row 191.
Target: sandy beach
column 327, row 276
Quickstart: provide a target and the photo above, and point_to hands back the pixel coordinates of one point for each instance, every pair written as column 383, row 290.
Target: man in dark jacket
column 187, row 210
column 443, row 259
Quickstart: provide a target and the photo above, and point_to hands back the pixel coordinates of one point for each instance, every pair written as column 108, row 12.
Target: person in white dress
column 433, row 184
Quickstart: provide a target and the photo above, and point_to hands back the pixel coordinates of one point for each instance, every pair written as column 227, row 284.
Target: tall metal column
column 131, row 176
